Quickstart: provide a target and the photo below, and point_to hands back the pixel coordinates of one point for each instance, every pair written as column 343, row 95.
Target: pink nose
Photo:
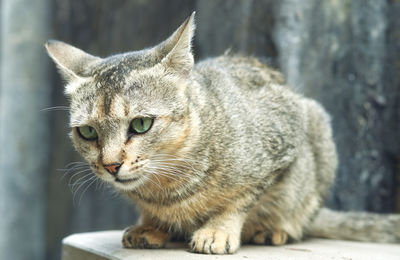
column 112, row 168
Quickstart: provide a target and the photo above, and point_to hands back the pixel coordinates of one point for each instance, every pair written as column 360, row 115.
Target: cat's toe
column 143, row 237
column 276, row 238
column 214, row 241
column 279, row 238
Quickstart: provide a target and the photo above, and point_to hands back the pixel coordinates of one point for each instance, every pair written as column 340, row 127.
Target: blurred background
column 344, row 53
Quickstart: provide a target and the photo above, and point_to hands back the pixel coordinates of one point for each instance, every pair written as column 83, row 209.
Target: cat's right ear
column 72, row 62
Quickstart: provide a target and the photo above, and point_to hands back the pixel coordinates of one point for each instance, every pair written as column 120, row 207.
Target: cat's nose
column 112, row 168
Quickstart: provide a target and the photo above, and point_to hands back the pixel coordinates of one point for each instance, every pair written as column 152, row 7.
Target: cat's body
column 231, row 154
column 259, row 153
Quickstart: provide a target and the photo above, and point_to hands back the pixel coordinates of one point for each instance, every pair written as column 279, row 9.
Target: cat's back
column 246, row 81
column 248, row 73
column 247, row 86
column 259, row 111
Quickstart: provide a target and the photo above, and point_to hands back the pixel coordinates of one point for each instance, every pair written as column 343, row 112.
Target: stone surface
column 107, row 245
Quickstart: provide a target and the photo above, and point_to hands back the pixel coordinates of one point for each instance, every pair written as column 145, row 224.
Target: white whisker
column 77, row 173
column 56, row 108
column 87, row 187
column 80, row 186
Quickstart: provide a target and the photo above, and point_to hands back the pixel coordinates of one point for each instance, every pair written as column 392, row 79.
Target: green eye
column 141, row 125
column 87, row 132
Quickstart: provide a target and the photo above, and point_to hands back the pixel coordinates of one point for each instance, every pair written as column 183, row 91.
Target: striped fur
column 233, row 156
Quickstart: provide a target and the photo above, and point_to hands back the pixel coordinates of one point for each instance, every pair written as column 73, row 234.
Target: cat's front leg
column 220, row 235
column 144, row 235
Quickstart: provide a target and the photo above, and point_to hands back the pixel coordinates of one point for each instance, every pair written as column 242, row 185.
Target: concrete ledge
column 107, row 245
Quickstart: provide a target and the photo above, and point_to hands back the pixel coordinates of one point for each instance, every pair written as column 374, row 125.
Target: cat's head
column 129, row 112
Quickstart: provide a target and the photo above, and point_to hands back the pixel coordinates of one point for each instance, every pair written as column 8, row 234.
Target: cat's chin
column 127, row 185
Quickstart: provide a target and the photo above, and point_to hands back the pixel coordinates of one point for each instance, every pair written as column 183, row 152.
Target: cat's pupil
column 140, row 125
column 87, row 132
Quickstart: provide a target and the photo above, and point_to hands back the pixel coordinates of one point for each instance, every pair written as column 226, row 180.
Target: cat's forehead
column 124, row 87
column 119, row 66
column 124, row 99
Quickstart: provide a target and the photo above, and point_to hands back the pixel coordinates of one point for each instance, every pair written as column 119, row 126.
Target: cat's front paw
column 276, row 238
column 214, row 241
column 144, row 237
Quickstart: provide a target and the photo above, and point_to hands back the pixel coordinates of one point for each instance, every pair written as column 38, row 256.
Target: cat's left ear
column 177, row 49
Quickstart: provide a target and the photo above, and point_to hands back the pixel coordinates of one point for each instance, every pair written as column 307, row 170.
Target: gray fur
column 233, row 155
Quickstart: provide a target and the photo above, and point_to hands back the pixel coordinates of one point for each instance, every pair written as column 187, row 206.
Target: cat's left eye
column 141, row 125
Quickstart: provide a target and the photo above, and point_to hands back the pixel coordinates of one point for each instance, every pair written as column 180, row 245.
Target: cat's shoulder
column 252, row 71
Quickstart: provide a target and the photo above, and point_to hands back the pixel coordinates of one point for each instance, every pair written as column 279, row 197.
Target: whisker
column 75, row 163
column 80, row 186
column 99, row 184
column 171, row 157
column 77, row 173
column 149, row 179
column 169, row 171
column 74, row 166
column 79, row 169
column 160, row 166
column 162, row 174
column 56, row 108
column 79, row 180
column 163, row 162
column 186, row 161
column 87, row 187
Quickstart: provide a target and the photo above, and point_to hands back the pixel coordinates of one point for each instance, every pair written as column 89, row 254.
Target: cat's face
column 129, row 113
column 133, row 126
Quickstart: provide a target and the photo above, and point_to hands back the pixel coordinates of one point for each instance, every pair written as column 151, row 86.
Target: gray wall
column 25, row 89
column 346, row 54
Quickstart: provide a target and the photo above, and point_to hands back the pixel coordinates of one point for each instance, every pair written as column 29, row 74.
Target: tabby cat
column 219, row 153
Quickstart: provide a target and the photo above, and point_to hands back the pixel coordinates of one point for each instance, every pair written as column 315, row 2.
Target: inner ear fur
column 71, row 61
column 177, row 49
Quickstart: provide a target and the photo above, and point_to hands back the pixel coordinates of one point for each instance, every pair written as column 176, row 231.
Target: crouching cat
column 219, row 153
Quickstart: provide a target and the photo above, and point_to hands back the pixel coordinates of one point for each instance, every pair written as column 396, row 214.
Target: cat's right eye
column 87, row 132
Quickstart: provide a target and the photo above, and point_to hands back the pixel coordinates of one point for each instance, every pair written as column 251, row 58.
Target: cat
column 219, row 153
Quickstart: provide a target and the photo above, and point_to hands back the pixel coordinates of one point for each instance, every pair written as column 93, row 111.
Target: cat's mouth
column 131, row 180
